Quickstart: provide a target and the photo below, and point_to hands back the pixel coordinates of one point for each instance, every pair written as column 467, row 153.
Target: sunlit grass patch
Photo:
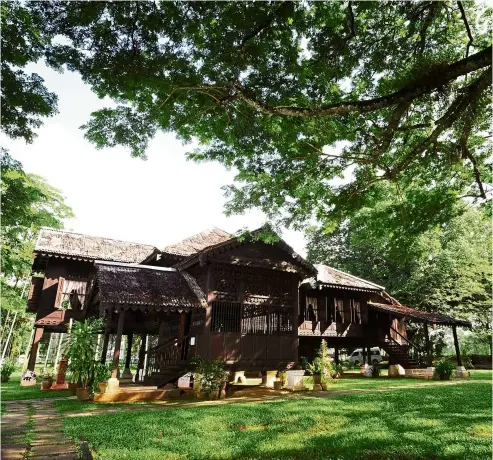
column 481, row 430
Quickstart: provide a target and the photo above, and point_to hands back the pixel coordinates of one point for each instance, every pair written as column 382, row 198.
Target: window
column 339, row 310
column 311, row 309
column 355, row 311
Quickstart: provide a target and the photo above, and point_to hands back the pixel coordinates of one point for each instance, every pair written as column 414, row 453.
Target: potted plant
column 444, row 370
column 321, row 368
column 81, row 352
column 337, row 371
column 315, row 369
column 102, row 372
column 47, row 380
column 210, row 376
column 7, row 369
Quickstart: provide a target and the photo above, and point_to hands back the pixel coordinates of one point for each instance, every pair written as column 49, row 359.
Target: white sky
column 159, row 201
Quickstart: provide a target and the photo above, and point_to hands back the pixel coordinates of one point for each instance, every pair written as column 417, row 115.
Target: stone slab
column 52, row 449
column 12, row 452
column 57, row 457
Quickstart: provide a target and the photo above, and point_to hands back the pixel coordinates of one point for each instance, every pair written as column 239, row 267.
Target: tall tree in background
column 28, row 203
column 294, row 95
column 444, row 269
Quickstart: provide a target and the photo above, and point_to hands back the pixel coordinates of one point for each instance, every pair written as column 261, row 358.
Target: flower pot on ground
column 72, row 386
column 46, row 383
column 317, row 379
column 444, row 370
column 277, row 385
column 82, row 394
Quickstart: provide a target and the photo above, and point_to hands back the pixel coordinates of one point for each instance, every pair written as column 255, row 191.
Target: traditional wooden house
column 255, row 306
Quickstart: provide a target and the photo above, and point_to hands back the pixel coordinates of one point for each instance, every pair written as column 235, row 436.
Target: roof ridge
column 351, row 276
column 134, row 265
column 61, row 230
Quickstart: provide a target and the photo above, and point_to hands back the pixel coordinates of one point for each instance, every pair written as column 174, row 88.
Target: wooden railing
column 169, row 353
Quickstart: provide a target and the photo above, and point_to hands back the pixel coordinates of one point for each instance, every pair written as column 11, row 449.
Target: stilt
column 336, row 355
column 34, row 348
column 26, row 353
column 118, row 342
column 456, row 344
column 429, row 356
column 369, row 355
column 142, row 354
column 127, row 374
column 106, row 337
column 48, row 352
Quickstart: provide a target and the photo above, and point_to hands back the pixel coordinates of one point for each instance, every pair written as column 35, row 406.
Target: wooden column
column 456, row 344
column 118, row 342
column 429, row 356
column 295, row 320
column 336, row 355
column 363, row 352
column 34, row 348
column 128, row 357
column 106, row 337
column 205, row 340
column 142, row 354
column 369, row 354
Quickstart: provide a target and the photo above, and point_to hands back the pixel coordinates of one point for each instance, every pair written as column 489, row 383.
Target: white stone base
column 113, row 385
column 295, row 379
column 239, row 377
column 396, row 370
column 271, row 377
column 429, row 373
column 28, row 379
column 461, row 373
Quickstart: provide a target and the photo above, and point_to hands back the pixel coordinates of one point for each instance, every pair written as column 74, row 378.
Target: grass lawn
column 12, row 390
column 438, row 421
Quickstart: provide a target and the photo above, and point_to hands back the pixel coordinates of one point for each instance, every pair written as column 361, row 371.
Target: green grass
column 441, row 421
column 12, row 391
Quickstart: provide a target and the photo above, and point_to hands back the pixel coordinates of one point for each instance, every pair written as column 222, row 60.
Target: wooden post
column 118, row 342
column 363, row 352
column 26, row 353
column 47, row 352
column 369, row 354
column 106, row 337
column 336, row 355
column 142, row 354
column 295, row 321
column 129, row 350
column 456, row 344
column 429, row 356
column 34, row 348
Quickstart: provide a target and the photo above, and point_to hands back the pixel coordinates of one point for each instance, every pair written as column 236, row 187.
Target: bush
column 7, row 369
column 444, row 370
column 337, row 371
column 82, row 349
column 322, row 364
column 101, row 373
column 210, row 375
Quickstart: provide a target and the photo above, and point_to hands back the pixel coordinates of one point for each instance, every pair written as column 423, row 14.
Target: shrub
column 322, row 364
column 210, row 374
column 444, row 369
column 7, row 369
column 337, row 371
column 101, row 373
column 82, row 349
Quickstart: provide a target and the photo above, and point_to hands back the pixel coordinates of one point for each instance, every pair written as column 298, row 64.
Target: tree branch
column 438, row 77
column 464, row 19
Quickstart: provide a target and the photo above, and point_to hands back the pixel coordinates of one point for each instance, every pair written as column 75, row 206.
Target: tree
column 294, row 95
column 444, row 269
column 28, row 203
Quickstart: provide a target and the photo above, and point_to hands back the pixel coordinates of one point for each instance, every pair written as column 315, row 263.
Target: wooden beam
column 118, row 342
column 34, row 348
column 429, row 355
column 456, row 344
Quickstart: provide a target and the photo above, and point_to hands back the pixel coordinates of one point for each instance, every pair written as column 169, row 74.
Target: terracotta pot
column 102, row 387
column 317, row 379
column 46, row 384
column 277, row 385
column 82, row 394
column 72, row 387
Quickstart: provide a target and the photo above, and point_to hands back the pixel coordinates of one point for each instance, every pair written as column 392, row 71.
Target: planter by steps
column 46, row 384
column 82, row 394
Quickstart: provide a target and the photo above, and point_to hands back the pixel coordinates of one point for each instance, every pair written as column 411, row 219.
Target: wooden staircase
column 167, row 362
column 406, row 354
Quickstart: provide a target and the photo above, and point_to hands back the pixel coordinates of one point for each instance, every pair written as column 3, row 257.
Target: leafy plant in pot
column 444, row 370
column 321, row 368
column 6, row 370
column 81, row 352
column 47, row 380
column 102, row 372
column 210, row 376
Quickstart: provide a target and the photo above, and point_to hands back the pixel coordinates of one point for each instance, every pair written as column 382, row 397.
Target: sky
column 158, row 201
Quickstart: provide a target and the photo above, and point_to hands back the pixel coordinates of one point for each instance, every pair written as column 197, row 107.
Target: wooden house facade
column 253, row 305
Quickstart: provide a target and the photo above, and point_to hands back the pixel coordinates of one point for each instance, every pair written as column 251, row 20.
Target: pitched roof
column 418, row 315
column 234, row 241
column 198, row 242
column 332, row 277
column 147, row 287
column 85, row 247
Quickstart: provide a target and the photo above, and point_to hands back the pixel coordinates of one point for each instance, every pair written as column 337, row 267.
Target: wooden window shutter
column 59, row 293
column 347, row 310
